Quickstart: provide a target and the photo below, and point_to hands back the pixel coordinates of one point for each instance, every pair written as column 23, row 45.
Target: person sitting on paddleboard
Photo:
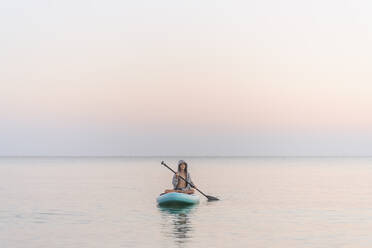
column 180, row 185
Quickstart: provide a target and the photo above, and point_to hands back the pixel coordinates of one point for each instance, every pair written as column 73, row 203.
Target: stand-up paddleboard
column 209, row 197
column 177, row 199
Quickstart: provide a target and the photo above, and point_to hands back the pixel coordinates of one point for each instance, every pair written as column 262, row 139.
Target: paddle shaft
column 192, row 185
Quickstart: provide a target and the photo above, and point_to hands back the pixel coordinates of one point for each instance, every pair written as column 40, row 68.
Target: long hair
column 179, row 167
column 179, row 170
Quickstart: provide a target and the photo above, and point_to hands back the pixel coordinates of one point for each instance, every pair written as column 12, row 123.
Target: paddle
column 210, row 198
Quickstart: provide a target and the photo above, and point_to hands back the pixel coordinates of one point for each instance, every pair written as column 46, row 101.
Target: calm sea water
column 111, row 202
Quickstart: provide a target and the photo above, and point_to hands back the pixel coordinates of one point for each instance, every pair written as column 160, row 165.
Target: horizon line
column 186, row 156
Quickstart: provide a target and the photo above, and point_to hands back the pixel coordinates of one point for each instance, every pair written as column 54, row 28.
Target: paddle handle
column 192, row 185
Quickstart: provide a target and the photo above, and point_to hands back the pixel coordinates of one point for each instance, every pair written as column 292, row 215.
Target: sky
column 185, row 78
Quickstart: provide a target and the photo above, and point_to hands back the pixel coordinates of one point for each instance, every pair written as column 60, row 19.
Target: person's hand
column 177, row 174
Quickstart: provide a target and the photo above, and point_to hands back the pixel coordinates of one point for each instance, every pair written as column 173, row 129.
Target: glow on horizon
column 202, row 68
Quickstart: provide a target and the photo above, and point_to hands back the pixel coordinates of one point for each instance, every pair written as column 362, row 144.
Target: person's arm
column 175, row 181
column 190, row 182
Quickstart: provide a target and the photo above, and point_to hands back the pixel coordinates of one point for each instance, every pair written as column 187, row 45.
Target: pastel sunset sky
column 248, row 78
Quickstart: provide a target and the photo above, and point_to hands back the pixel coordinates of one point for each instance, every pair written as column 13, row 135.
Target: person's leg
column 189, row 191
column 169, row 190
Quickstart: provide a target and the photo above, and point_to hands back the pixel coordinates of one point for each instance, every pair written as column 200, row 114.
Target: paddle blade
column 212, row 198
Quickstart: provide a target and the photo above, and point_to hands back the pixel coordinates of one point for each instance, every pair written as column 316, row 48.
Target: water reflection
column 177, row 223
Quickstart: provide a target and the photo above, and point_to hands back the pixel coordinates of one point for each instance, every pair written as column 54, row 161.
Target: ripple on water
column 177, row 223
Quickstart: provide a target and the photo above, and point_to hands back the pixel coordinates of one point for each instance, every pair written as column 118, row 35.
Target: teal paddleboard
column 177, row 199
